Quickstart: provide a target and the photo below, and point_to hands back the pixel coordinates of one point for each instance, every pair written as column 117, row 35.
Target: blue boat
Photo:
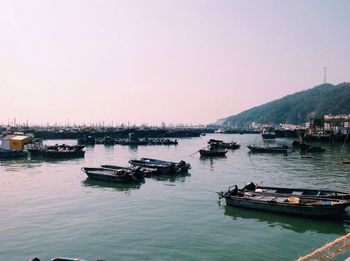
column 12, row 154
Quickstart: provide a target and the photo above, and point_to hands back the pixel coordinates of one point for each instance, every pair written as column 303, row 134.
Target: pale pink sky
column 148, row 61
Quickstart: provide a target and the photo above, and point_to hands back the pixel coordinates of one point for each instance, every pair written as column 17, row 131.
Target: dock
column 329, row 250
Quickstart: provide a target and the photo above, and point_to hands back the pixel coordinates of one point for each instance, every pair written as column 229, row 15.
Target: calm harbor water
column 50, row 208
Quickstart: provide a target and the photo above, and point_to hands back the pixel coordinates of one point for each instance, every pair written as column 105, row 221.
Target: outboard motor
column 249, row 186
column 233, row 191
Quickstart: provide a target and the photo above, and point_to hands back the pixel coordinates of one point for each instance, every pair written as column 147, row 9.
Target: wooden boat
column 65, row 154
column 286, row 204
column 162, row 167
column 56, row 151
column 145, row 171
column 333, row 194
column 213, row 153
column 65, row 151
column 65, row 147
column 219, row 144
column 267, row 149
column 113, row 175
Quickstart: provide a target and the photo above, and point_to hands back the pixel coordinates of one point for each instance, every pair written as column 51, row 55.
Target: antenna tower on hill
column 325, row 75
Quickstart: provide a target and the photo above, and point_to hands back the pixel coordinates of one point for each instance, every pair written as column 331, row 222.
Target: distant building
column 337, row 123
column 329, row 124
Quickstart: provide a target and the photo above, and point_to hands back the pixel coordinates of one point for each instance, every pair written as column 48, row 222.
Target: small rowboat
column 120, row 176
column 162, row 167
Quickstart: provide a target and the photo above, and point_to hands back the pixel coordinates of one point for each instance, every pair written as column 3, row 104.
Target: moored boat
column 12, row 154
column 145, row 171
column 267, row 149
column 286, row 204
column 213, row 153
column 65, row 154
column 316, row 193
column 162, row 167
column 219, row 144
column 65, row 151
column 65, row 147
column 114, row 175
column 12, row 146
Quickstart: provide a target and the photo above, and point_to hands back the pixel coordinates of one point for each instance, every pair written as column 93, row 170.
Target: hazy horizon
column 190, row 62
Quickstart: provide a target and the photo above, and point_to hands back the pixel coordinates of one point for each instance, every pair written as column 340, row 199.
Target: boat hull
column 162, row 167
column 255, row 149
column 213, row 153
column 9, row 154
column 332, row 194
column 65, row 154
column 284, row 208
column 110, row 175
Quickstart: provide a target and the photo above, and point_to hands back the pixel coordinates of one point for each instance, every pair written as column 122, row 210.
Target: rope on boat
column 325, row 256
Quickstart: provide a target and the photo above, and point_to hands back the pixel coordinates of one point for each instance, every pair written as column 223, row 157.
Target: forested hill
column 295, row 108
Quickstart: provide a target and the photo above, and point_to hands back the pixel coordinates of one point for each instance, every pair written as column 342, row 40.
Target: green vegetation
column 296, row 108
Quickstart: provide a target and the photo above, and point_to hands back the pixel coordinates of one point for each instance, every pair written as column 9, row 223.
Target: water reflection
column 20, row 164
column 296, row 224
column 254, row 153
column 133, row 148
column 122, row 187
column 181, row 177
column 212, row 160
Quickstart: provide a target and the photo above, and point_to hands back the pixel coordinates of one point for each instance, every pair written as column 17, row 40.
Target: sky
column 171, row 61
